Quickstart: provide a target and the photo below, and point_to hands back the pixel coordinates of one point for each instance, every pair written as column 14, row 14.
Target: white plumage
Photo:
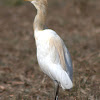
column 49, row 58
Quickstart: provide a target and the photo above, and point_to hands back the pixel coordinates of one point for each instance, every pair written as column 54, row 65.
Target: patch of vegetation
column 12, row 2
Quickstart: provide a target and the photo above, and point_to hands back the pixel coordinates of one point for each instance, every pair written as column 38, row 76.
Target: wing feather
column 63, row 53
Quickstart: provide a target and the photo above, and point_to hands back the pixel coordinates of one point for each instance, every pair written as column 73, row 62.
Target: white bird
column 52, row 55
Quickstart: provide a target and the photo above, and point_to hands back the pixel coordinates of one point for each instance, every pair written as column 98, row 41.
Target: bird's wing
column 63, row 54
column 68, row 62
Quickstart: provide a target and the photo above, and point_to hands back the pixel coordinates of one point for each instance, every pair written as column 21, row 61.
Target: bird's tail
column 61, row 76
column 64, row 79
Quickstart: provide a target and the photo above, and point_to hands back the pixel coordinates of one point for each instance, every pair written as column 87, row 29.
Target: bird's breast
column 43, row 44
column 42, row 48
column 43, row 55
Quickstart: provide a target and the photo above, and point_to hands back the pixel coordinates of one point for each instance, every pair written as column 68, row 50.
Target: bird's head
column 39, row 4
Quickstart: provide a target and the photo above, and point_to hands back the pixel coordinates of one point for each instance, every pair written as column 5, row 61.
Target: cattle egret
column 52, row 55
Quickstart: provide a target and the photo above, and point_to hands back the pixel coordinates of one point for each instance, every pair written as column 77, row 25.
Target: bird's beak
column 28, row 0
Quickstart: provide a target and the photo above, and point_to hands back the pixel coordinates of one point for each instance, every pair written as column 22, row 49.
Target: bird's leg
column 56, row 90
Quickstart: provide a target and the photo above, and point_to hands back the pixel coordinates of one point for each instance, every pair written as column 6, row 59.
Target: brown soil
column 79, row 26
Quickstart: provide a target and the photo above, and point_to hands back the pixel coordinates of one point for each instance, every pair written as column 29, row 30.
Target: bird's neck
column 40, row 19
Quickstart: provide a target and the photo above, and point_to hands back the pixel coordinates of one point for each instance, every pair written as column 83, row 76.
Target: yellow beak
column 28, row 0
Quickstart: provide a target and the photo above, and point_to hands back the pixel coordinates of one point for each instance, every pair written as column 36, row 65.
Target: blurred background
column 77, row 22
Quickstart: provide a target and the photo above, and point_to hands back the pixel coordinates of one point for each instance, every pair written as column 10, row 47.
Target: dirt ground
column 78, row 23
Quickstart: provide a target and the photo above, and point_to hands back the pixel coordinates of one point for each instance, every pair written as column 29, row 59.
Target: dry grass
column 20, row 75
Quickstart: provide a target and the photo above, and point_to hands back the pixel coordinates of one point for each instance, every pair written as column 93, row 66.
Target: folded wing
column 63, row 55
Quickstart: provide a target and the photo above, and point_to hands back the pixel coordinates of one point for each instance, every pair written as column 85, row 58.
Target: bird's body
column 52, row 54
